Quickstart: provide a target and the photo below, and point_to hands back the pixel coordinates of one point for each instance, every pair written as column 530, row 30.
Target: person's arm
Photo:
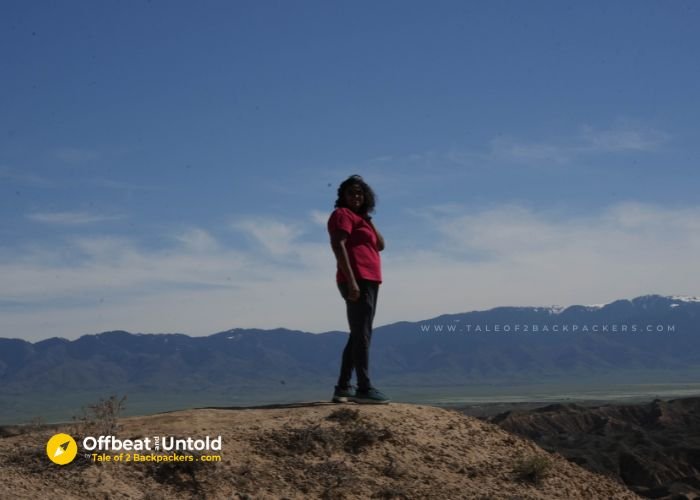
column 380, row 238
column 341, row 255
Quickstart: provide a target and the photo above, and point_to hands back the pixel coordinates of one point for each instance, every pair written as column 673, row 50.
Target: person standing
column 356, row 244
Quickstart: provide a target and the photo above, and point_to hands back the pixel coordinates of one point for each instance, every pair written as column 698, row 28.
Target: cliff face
column 314, row 450
column 654, row 448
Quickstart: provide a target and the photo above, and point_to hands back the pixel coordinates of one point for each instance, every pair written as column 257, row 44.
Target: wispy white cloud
column 460, row 260
column 507, row 148
column 623, row 136
column 23, row 177
column 197, row 285
column 319, row 218
column 288, row 244
column 71, row 218
column 273, row 236
column 516, row 256
column 197, row 240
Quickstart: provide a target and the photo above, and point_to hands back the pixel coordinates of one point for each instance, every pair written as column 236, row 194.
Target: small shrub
column 352, row 435
column 533, row 469
column 308, row 439
column 363, row 434
column 35, row 424
column 183, row 476
column 100, row 418
column 344, row 415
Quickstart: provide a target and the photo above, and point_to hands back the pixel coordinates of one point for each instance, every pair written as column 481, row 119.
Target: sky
column 169, row 166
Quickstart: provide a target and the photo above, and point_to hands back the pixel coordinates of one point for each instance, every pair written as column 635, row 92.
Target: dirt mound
column 654, row 448
column 313, row 451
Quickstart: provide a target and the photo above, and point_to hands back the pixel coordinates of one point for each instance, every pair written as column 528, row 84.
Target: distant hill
column 577, row 343
column 654, row 448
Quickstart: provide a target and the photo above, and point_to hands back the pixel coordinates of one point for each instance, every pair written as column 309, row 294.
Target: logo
column 61, row 449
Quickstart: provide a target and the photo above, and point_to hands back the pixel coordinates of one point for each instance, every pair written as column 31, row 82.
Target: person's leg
column 346, row 365
column 366, row 394
column 360, row 317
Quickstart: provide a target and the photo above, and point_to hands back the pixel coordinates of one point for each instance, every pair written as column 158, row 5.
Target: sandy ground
column 313, row 450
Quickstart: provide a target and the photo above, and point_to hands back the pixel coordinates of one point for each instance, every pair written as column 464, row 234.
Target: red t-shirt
column 361, row 245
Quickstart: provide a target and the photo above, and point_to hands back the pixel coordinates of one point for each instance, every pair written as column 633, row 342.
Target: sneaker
column 341, row 395
column 370, row 396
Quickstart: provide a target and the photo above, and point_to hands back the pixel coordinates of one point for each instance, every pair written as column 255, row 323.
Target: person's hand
column 353, row 292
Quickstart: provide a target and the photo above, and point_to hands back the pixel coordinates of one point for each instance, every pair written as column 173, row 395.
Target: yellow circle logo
column 61, row 449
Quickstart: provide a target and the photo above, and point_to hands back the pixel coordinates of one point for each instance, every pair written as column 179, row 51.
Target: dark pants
column 360, row 317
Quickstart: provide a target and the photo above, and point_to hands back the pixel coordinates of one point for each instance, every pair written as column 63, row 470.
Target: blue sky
column 169, row 167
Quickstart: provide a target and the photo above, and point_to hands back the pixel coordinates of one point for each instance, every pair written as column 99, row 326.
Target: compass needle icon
column 61, row 449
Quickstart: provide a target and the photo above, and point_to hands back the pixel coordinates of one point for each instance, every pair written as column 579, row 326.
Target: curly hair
column 357, row 180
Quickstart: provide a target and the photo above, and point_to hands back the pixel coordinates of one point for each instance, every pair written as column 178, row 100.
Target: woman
column 356, row 244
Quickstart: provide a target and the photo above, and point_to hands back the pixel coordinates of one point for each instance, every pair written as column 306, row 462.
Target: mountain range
column 647, row 339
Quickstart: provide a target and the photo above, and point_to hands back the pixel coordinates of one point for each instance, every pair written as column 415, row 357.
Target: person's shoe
column 370, row 396
column 341, row 395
